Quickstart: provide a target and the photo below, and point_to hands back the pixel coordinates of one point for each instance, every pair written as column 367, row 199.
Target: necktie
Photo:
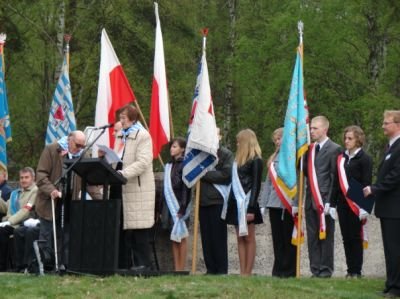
column 387, row 148
column 317, row 148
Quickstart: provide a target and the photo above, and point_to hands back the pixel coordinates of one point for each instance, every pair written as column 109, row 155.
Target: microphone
column 104, row 127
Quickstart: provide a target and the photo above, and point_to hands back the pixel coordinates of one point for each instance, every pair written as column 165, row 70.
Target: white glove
column 332, row 213
column 326, row 208
column 295, row 211
column 4, row 223
column 31, row 222
column 363, row 214
column 262, row 210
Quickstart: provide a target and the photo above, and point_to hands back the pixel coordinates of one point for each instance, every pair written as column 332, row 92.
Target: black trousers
column 5, row 233
column 137, row 242
column 284, row 252
column 350, row 226
column 391, row 247
column 23, row 240
column 214, row 238
column 320, row 252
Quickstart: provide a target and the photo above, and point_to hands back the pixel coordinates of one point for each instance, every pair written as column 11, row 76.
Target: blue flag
column 62, row 116
column 5, row 128
column 203, row 142
column 295, row 138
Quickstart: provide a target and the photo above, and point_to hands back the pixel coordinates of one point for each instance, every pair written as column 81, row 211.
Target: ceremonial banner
column 113, row 91
column 159, row 112
column 5, row 127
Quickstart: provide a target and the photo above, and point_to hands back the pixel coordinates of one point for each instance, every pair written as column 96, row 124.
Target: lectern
column 95, row 224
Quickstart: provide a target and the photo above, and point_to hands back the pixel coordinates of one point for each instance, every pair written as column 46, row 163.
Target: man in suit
column 321, row 198
column 387, row 201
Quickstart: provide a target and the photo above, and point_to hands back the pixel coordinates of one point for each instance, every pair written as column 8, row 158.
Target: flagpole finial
column 300, row 27
column 3, row 38
column 204, row 32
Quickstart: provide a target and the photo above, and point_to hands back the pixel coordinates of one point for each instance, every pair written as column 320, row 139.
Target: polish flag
column 113, row 91
column 159, row 112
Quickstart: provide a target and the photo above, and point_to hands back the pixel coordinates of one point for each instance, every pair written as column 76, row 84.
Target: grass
column 198, row 286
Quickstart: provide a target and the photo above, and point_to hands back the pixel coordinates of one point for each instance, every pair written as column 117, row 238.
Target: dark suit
column 321, row 251
column 387, row 208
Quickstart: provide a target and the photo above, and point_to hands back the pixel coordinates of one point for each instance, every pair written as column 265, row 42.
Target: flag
column 295, row 137
column 62, row 116
column 203, row 142
column 159, row 112
column 5, row 127
column 113, row 91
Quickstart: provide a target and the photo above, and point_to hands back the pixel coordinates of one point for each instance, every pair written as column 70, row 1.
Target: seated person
column 20, row 205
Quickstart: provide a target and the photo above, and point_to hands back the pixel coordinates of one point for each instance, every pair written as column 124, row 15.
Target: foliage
column 230, row 286
column 351, row 57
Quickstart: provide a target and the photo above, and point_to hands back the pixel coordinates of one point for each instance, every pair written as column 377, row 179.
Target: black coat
column 181, row 192
column 387, row 187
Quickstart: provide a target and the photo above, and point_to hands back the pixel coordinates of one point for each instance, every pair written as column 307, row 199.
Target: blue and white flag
column 295, row 137
column 62, row 116
column 203, row 142
column 5, row 128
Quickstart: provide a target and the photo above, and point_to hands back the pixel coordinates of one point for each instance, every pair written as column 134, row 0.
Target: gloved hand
column 332, row 213
column 262, row 210
column 4, row 223
column 31, row 222
column 295, row 211
column 326, row 208
column 363, row 214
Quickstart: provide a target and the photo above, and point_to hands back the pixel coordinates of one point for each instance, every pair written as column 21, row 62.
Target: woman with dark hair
column 138, row 195
column 243, row 210
column 353, row 163
column 177, row 198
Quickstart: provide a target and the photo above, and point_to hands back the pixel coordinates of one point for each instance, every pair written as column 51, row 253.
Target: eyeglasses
column 78, row 145
column 386, row 123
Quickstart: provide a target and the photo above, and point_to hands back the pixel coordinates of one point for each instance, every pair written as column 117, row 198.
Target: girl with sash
column 177, row 198
column 280, row 216
column 353, row 163
column 243, row 210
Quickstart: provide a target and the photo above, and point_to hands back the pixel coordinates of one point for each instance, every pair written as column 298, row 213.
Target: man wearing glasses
column 49, row 170
column 386, row 191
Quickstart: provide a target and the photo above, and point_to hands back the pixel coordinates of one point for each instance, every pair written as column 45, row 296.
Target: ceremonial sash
column 344, row 186
column 224, row 191
column 179, row 230
column 286, row 202
column 242, row 201
column 14, row 201
column 316, row 195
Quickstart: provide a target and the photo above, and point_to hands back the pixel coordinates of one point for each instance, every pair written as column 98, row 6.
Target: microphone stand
column 62, row 181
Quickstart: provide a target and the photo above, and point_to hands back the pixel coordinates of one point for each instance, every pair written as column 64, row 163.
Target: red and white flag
column 113, row 91
column 159, row 112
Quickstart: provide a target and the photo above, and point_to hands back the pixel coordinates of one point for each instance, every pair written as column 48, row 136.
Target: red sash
column 316, row 195
column 344, row 186
column 286, row 203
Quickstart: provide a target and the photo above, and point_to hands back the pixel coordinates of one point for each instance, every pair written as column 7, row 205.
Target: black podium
column 95, row 224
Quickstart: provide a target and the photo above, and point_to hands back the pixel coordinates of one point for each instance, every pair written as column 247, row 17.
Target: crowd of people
column 230, row 194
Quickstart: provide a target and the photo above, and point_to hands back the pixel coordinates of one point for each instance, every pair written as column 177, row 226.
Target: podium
column 95, row 224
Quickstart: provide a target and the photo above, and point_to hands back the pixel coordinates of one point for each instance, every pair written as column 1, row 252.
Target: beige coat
column 138, row 195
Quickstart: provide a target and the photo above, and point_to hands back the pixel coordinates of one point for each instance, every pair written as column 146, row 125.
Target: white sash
column 242, row 201
column 179, row 230
column 224, row 190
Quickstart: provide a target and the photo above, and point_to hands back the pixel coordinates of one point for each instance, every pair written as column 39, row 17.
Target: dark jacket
column 181, row 191
column 387, row 186
column 221, row 175
column 358, row 168
column 5, row 191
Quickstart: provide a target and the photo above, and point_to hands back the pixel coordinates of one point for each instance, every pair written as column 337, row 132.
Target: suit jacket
column 326, row 171
column 387, row 186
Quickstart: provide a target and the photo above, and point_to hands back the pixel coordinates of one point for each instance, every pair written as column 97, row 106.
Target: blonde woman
column 243, row 210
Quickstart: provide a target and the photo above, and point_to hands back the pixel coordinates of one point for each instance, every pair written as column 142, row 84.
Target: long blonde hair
column 277, row 133
column 247, row 147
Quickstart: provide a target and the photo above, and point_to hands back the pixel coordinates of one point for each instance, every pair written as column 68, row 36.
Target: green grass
column 198, row 286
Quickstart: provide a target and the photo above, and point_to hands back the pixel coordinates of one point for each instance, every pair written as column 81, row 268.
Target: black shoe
column 325, row 275
column 139, row 268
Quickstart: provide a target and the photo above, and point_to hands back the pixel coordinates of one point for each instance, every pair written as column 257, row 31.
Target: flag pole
column 300, row 27
column 3, row 37
column 197, row 199
column 67, row 38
